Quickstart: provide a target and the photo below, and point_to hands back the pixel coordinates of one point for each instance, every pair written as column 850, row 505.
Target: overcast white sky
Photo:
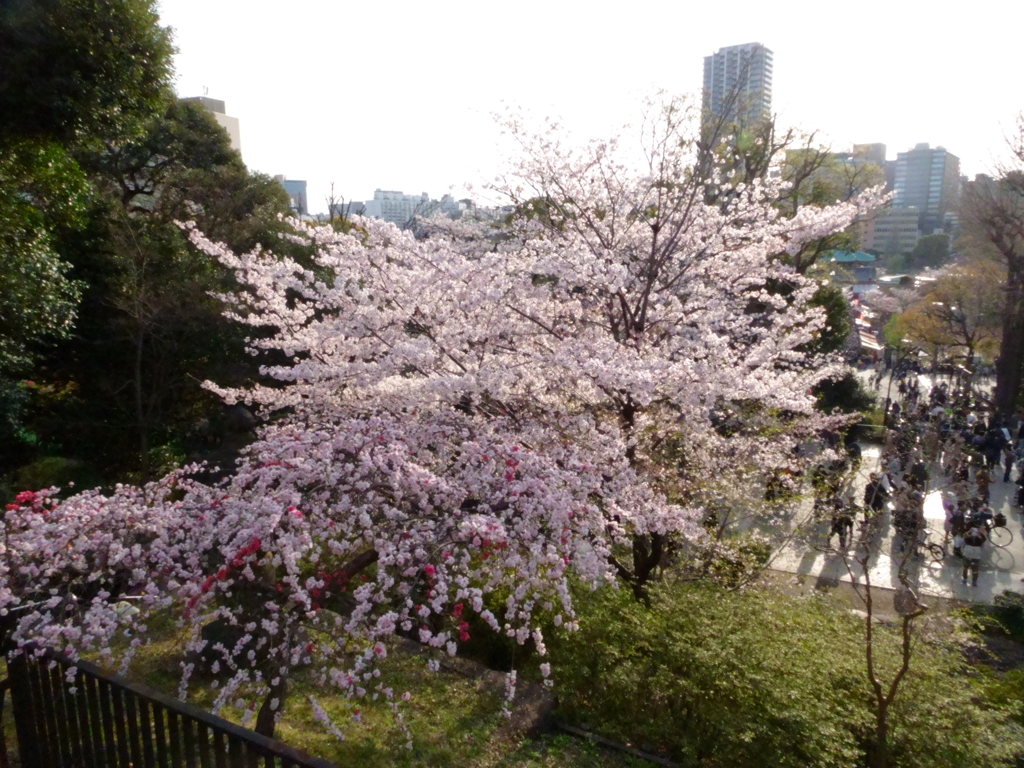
column 398, row 95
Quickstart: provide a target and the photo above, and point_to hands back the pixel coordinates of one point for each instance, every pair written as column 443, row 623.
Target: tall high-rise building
column 929, row 180
column 738, row 83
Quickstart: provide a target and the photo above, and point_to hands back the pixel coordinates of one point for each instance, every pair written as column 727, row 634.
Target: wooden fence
column 109, row 722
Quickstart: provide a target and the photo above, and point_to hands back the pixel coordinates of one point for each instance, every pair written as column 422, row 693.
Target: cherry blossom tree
column 482, row 410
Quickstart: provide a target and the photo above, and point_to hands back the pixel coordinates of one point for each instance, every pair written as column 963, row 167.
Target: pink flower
column 429, row 570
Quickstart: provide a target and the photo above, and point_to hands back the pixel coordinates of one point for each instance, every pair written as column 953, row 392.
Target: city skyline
column 325, row 94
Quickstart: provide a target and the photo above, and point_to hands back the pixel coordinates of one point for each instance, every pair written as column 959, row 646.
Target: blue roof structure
column 848, row 257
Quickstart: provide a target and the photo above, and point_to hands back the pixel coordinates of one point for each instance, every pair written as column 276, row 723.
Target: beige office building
column 890, row 231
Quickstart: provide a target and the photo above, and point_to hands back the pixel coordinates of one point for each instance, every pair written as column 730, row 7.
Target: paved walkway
column 808, row 552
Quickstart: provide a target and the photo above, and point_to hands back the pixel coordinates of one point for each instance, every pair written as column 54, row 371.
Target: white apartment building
column 738, row 82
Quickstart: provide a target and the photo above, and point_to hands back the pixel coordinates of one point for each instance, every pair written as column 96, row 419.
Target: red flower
column 457, row 610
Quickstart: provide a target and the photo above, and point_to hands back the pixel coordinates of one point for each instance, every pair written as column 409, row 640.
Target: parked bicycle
column 995, row 526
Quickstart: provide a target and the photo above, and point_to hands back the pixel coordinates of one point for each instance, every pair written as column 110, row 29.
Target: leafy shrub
column 53, row 470
column 1008, row 610
column 758, row 678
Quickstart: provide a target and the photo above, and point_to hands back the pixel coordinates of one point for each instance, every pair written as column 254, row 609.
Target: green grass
column 454, row 720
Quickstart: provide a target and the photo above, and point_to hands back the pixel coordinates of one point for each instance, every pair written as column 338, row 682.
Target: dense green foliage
column 931, row 251
column 82, row 71
column 107, row 325
column 149, row 331
column 838, row 323
column 41, row 193
column 757, row 678
column 845, row 395
column 1004, row 616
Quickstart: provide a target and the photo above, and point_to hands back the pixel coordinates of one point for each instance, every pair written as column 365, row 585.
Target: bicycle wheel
column 936, row 552
column 1001, row 536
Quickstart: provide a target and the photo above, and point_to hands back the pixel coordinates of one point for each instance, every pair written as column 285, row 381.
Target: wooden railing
column 109, row 722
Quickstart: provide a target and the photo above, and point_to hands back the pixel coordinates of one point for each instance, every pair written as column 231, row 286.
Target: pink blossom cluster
column 479, row 410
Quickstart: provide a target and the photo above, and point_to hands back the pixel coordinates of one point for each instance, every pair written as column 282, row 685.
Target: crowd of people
column 942, row 440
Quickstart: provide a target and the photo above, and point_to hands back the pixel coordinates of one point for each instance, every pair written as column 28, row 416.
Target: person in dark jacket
column 918, row 475
column 875, row 496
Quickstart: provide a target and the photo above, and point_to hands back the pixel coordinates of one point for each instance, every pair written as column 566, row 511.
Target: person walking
column 954, row 524
column 974, row 543
column 982, row 480
column 918, row 476
column 875, row 496
column 1008, row 458
column 908, row 518
column 842, row 521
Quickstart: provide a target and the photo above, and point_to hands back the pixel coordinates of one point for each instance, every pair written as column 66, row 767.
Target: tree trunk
column 1010, row 365
column 140, row 414
column 266, row 719
column 267, row 716
column 647, row 554
column 878, row 756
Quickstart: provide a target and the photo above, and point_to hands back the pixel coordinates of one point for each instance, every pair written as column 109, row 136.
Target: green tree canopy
column 42, row 191
column 150, row 330
column 931, row 251
column 82, row 70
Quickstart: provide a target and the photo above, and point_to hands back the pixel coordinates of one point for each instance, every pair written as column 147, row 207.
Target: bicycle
column 935, row 552
column 996, row 529
column 924, row 546
column 1000, row 535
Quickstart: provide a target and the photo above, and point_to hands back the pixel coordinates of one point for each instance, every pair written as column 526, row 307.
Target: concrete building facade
column 394, row 206
column 738, row 83
column 929, row 180
column 890, row 231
